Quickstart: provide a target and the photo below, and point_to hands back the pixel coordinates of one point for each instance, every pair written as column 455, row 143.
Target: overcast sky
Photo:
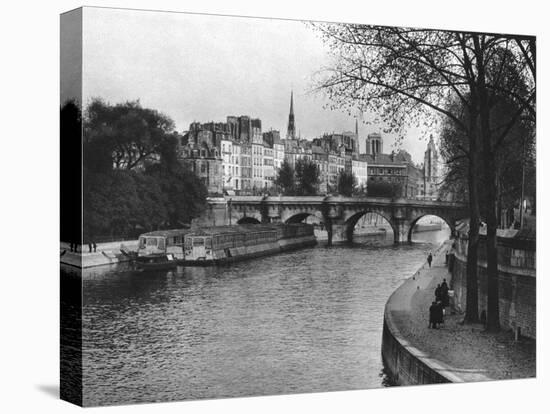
column 203, row 68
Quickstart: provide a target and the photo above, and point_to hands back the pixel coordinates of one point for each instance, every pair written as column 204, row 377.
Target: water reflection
column 304, row 321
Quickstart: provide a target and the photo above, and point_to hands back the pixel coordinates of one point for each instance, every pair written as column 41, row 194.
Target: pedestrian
column 430, row 258
column 95, row 246
column 445, row 293
column 433, row 315
column 437, row 293
column 89, row 247
column 439, row 313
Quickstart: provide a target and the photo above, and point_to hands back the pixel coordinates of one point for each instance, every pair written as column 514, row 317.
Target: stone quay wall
column 517, row 282
column 406, row 364
column 106, row 254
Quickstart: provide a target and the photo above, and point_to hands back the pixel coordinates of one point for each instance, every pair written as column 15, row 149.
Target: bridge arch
column 351, row 222
column 243, row 216
column 297, row 216
column 248, row 220
column 446, row 220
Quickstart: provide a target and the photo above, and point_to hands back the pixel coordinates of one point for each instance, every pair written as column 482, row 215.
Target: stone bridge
column 339, row 214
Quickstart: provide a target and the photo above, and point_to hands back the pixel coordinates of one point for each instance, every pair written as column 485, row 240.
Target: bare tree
column 409, row 76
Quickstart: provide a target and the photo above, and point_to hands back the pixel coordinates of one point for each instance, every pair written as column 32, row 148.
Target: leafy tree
column 307, row 177
column 129, row 133
column 513, row 154
column 185, row 193
column 347, row 183
column 285, row 178
column 122, row 204
column 361, row 190
column 133, row 181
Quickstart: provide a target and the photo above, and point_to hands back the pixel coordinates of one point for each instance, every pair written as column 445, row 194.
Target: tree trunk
column 493, row 318
column 472, row 306
column 489, row 172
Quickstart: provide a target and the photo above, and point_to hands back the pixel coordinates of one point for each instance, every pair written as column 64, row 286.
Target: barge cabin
column 161, row 248
column 228, row 243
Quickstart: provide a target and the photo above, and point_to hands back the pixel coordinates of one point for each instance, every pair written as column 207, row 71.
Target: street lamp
column 229, row 207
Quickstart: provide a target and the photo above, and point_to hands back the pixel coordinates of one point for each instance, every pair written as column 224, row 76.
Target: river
column 304, row 321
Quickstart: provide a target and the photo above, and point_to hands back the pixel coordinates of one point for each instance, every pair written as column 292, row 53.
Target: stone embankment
column 105, row 254
column 415, row 354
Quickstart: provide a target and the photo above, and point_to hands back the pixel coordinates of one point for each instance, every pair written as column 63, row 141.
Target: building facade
column 235, row 156
column 320, row 158
column 205, row 161
column 396, row 169
column 359, row 168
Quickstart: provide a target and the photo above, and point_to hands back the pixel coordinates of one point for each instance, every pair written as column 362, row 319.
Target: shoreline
column 110, row 254
column 405, row 363
column 413, row 354
column 113, row 255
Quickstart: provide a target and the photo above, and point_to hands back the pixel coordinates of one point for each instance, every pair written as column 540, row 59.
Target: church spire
column 291, row 130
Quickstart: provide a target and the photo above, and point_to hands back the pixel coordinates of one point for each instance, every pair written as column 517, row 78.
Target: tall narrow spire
column 291, row 130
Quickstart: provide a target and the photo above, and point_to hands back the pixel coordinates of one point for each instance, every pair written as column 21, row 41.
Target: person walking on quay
column 444, row 293
column 430, row 258
column 439, row 313
column 434, row 313
column 95, row 246
column 437, row 293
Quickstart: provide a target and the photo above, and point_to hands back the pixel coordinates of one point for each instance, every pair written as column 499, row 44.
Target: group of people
column 437, row 309
column 92, row 246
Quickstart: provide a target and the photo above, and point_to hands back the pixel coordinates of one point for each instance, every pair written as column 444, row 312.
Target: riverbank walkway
column 467, row 351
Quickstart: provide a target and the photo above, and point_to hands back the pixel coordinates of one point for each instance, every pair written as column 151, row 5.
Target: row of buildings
column 237, row 157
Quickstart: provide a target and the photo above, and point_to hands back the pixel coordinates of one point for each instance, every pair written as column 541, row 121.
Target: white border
column 30, row 194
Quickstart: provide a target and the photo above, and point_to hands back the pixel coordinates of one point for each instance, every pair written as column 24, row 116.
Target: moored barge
column 162, row 249
column 165, row 249
column 226, row 244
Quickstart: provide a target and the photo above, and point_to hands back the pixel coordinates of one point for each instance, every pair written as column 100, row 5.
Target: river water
column 304, row 321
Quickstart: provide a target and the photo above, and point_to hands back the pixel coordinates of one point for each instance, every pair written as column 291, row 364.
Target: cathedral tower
column 431, row 169
column 375, row 144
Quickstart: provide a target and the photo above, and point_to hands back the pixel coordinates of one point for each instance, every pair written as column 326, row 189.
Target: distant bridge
column 339, row 214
